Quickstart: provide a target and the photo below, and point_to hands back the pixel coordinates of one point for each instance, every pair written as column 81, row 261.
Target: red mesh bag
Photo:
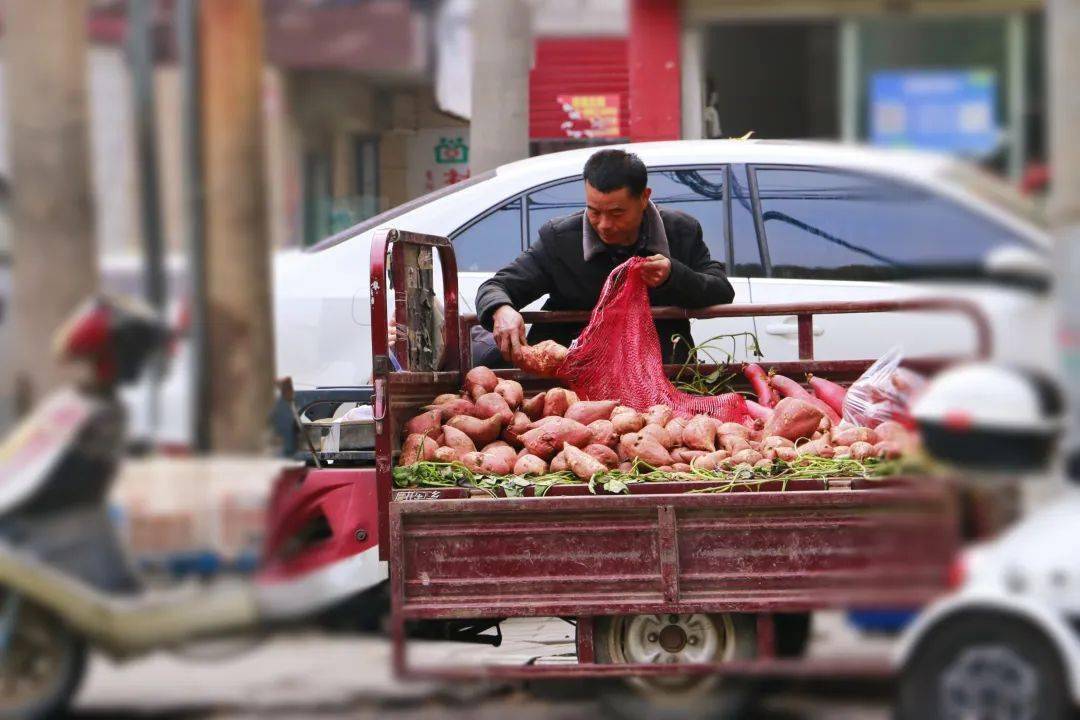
column 617, row 356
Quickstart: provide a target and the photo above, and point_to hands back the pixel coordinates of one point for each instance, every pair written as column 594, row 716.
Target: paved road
column 315, row 676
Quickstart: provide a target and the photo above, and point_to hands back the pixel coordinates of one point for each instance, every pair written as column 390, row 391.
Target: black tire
column 40, row 635
column 1003, row 657
column 697, row 698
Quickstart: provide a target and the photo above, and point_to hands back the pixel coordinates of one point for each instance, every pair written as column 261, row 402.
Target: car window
column 743, row 233
column 698, row 193
column 827, row 224
column 554, row 201
column 492, row 242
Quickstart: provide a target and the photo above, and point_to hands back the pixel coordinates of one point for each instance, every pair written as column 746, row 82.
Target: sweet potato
column 792, row 419
column 659, row 434
column 558, row 463
column 483, row 377
column 501, row 449
column 686, row 455
column 627, row 421
column 511, row 392
column 543, row 358
column 832, row 415
column 861, row 450
column 733, row 428
column 626, row 466
column 658, row 415
column 556, row 402
column 603, row 432
column 417, row 447
column 775, row 441
column 529, row 465
column 457, row 406
column 680, row 467
column 700, row 433
column 479, row 431
column 894, row 431
column 758, row 412
column 820, row 447
column 675, row 428
column 534, row 407
column 787, row 454
column 457, row 441
column 517, row 427
column 545, row 440
column 759, row 381
column 445, row 454
column 789, row 388
column 587, row 411
column 487, row 464
column 888, row 449
column 426, row 423
column 734, row 443
column 492, row 403
column 604, row 454
column 710, row 461
column 445, row 398
column 840, row 451
column 640, row 447
column 828, row 391
column 748, row 457
column 763, row 463
column 851, row 435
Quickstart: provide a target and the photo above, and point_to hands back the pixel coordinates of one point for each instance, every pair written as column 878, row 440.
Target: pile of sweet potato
column 492, row 428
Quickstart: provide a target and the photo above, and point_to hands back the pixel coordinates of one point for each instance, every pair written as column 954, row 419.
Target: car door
column 697, row 191
column 832, row 234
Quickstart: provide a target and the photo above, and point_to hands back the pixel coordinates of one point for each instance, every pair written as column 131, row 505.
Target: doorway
column 777, row 79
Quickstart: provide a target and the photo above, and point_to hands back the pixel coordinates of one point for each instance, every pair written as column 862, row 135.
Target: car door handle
column 790, row 329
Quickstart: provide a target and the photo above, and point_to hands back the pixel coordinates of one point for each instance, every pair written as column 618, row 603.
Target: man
column 576, row 253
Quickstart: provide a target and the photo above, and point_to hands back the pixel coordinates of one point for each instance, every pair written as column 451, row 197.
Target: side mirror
column 1019, row 265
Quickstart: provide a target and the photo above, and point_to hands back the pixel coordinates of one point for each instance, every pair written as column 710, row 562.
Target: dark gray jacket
column 570, row 264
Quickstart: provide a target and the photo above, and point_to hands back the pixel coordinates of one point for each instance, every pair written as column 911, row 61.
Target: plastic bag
column 884, row 392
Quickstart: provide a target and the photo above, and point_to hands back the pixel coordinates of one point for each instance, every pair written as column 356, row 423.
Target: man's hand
column 509, row 330
column 656, row 270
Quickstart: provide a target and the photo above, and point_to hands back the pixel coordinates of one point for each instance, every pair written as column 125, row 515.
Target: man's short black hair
column 609, row 170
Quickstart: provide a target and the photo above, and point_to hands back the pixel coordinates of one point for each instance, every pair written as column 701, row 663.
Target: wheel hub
column 992, row 682
column 672, row 638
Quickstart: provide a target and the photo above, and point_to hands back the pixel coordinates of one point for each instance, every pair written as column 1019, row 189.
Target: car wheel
column 42, row 661
column 686, row 638
column 983, row 666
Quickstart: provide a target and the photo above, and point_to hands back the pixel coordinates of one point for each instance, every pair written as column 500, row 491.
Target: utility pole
column 1063, row 37
column 54, row 259
column 502, row 53
column 240, row 353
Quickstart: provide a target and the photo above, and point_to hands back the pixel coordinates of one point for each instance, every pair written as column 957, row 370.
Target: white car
column 1007, row 643
column 792, row 221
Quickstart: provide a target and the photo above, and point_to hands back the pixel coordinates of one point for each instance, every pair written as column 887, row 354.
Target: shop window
column 824, row 224
column 492, row 242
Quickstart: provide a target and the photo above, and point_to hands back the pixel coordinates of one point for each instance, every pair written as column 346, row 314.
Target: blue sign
column 945, row 110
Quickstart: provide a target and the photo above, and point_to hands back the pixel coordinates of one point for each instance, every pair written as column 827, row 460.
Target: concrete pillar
column 693, row 83
column 52, row 218
column 1063, row 37
column 240, row 334
column 502, row 53
column 653, row 53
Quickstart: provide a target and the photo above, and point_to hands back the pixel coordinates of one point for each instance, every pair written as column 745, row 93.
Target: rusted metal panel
column 585, row 640
column 749, row 551
column 806, row 336
column 766, row 636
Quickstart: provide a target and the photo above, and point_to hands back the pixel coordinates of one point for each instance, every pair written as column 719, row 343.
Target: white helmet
column 990, row 417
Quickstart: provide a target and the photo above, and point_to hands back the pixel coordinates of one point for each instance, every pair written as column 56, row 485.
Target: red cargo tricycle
column 664, row 583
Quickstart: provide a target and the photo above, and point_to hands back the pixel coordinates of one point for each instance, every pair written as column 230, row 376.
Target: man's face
column 616, row 216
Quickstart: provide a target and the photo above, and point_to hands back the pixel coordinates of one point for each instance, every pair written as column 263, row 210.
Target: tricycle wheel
column 983, row 666
column 42, row 661
column 687, row 638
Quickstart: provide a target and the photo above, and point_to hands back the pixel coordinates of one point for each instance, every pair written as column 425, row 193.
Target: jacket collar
column 656, row 241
